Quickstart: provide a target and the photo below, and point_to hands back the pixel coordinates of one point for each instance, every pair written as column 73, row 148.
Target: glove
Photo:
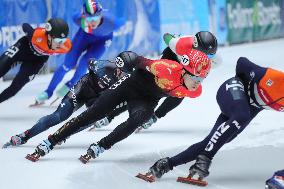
column 167, row 37
column 94, row 150
column 150, row 122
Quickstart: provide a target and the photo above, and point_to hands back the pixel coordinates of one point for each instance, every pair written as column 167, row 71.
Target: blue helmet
column 276, row 181
column 91, row 7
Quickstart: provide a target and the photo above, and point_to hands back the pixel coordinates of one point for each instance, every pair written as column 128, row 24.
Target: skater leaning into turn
column 64, row 112
column 32, row 51
column 203, row 41
column 93, row 37
column 240, row 99
column 151, row 80
column 102, row 74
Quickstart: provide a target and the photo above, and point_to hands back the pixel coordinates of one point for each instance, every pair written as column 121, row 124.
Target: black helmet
column 207, row 42
column 57, row 28
column 126, row 61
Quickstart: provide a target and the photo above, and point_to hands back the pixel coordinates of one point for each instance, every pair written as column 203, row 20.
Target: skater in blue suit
column 92, row 39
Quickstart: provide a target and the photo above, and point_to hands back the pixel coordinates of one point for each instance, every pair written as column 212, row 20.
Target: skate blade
column 146, row 177
column 92, row 129
column 32, row 158
column 189, row 180
column 85, row 158
column 57, row 98
column 138, row 130
column 7, row 144
column 36, row 104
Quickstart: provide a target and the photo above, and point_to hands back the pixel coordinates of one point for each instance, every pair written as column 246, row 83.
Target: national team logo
column 269, row 82
column 119, row 62
column 39, row 39
column 185, row 60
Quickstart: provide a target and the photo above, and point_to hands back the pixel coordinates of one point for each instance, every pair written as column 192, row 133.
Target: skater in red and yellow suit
column 151, row 80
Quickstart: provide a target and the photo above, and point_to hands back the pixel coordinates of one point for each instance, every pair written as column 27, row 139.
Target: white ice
column 244, row 163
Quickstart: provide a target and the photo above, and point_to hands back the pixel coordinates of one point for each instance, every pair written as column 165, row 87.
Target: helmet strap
column 49, row 41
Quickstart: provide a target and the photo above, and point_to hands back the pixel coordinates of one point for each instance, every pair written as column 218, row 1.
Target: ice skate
column 200, row 169
column 99, row 124
column 40, row 99
column 17, row 140
column 149, row 177
column 55, row 100
column 276, row 181
column 147, row 124
column 93, row 152
column 41, row 150
column 161, row 167
column 61, row 92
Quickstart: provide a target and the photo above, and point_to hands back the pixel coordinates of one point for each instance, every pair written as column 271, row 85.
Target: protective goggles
column 93, row 18
column 59, row 40
column 210, row 55
column 195, row 78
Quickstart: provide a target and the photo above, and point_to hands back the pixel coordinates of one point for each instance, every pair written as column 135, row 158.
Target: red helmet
column 197, row 63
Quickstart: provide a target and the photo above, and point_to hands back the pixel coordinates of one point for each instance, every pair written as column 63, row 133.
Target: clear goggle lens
column 93, row 18
column 210, row 55
column 195, row 78
column 59, row 40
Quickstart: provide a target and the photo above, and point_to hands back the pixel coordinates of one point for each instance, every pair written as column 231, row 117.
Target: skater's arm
column 181, row 92
column 168, row 105
column 28, row 29
column 179, row 45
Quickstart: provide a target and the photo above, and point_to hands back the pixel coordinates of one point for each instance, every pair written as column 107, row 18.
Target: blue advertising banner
column 187, row 18
column 140, row 32
column 217, row 16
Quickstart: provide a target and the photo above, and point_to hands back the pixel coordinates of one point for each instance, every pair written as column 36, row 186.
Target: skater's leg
column 236, row 115
column 106, row 102
column 95, row 51
column 194, row 150
column 70, row 61
column 139, row 112
column 26, row 73
column 63, row 112
column 234, row 103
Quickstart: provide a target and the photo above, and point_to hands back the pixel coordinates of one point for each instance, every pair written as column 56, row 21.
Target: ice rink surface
column 244, row 163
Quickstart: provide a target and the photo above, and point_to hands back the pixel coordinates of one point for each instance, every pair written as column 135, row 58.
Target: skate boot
column 276, row 181
column 40, row 99
column 61, row 92
column 147, row 124
column 99, row 124
column 161, row 167
column 200, row 168
column 93, row 152
column 41, row 150
column 17, row 140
